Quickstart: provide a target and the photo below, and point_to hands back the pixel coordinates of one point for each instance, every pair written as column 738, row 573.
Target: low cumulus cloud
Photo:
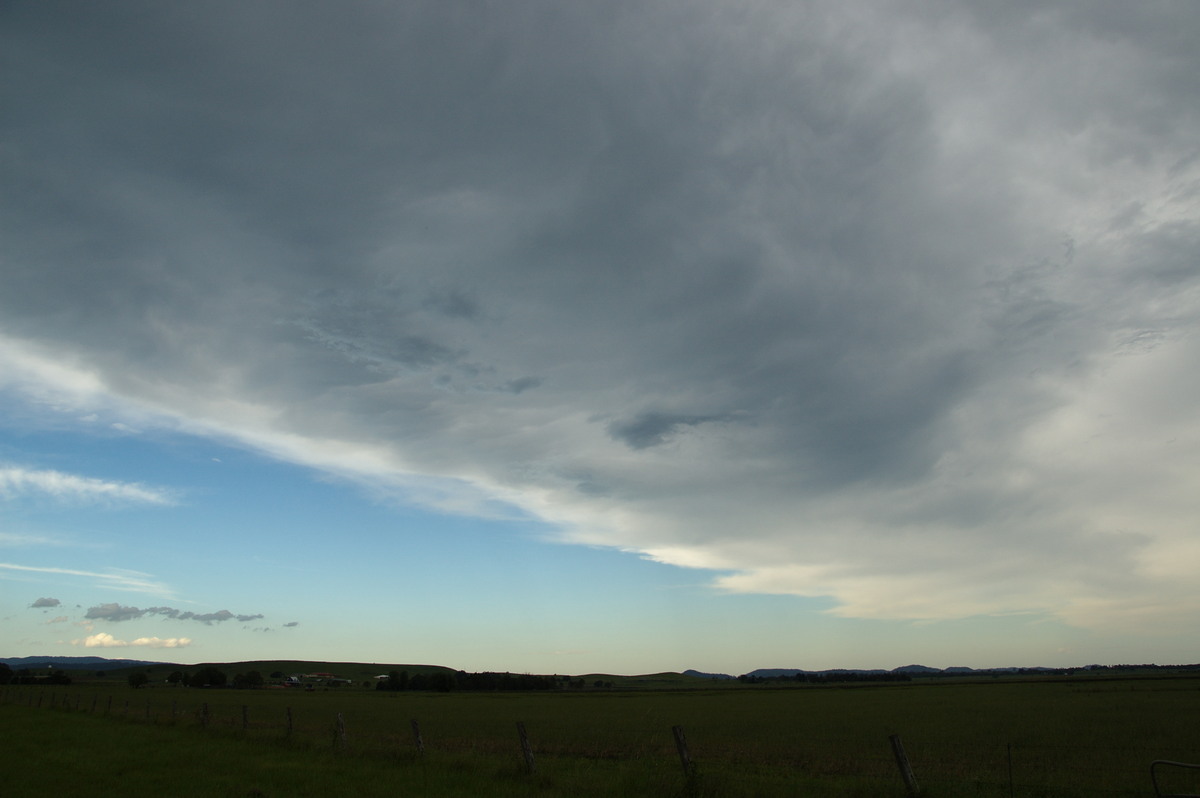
column 105, row 640
column 116, row 612
column 893, row 304
column 46, row 602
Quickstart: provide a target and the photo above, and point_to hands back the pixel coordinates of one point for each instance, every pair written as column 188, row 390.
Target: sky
column 566, row 337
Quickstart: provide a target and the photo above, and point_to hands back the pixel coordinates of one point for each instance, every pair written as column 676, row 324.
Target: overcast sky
column 618, row 336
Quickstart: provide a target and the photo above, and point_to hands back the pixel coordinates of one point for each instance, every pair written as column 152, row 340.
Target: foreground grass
column 76, row 754
column 68, row 753
column 1020, row 740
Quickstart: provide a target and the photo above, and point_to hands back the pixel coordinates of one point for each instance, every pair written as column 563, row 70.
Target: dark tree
column 248, row 680
column 396, row 680
column 208, row 677
column 138, row 679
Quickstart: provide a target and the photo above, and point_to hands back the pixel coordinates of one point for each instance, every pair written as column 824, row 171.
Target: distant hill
column 909, row 670
column 700, row 675
column 75, row 663
column 916, row 669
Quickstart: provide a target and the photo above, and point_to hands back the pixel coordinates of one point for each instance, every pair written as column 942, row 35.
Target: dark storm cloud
column 873, row 271
column 46, row 602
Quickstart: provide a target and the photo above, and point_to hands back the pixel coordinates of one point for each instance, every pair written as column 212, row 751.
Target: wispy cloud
column 105, row 640
column 18, row 482
column 116, row 579
column 21, row 539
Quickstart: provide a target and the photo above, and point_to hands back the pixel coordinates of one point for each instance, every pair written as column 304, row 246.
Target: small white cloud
column 59, row 619
column 159, row 642
column 105, row 640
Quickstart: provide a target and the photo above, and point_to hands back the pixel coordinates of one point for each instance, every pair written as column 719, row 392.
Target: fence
column 375, row 726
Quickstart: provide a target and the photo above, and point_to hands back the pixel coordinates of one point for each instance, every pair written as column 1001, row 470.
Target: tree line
column 830, row 677
column 26, row 676
column 446, row 681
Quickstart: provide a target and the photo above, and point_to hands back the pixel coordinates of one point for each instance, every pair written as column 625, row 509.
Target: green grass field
column 1054, row 737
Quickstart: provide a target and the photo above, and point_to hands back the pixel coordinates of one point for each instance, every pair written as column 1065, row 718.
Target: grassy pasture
column 991, row 738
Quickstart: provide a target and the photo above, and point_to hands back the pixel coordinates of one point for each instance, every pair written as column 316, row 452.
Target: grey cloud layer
column 878, row 301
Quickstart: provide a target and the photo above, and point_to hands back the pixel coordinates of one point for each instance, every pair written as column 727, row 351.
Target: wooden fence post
column 289, row 722
column 416, row 729
column 910, row 781
column 340, row 738
column 204, row 715
column 526, row 748
column 245, row 717
column 685, row 756
column 1010, row 776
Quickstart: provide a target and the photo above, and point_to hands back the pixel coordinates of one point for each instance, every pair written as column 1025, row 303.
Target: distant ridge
column 909, row 670
column 75, row 663
column 775, row 673
column 904, row 672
